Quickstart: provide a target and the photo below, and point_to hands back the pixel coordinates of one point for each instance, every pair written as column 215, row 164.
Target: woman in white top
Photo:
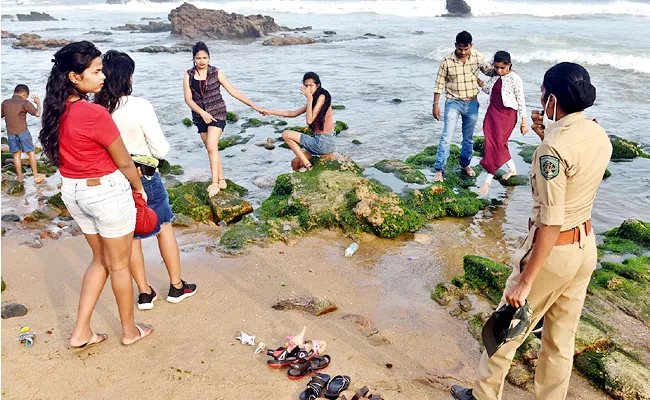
column 506, row 91
column 142, row 136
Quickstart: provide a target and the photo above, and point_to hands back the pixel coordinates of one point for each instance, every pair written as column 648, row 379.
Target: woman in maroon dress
column 506, row 92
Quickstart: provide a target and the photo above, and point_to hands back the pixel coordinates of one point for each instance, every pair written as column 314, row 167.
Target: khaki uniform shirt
column 567, row 169
column 460, row 78
column 14, row 111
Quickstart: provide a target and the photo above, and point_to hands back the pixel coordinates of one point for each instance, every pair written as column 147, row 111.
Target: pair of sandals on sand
column 101, row 337
column 301, row 362
column 334, row 388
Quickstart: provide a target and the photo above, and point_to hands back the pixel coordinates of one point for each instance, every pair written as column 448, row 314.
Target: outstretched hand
column 35, row 98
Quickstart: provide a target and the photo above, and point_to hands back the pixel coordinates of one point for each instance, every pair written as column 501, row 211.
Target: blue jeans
column 468, row 110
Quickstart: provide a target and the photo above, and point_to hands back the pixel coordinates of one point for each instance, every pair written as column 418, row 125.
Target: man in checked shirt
column 458, row 72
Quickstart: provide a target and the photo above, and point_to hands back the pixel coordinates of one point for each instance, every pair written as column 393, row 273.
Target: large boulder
column 458, row 7
column 632, row 237
column 35, row 16
column 229, row 207
column 625, row 149
column 194, row 23
column 288, row 41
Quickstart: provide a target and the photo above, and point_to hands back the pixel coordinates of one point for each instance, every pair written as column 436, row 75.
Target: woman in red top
column 97, row 174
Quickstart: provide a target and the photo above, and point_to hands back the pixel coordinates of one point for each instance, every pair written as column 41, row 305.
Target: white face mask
column 547, row 121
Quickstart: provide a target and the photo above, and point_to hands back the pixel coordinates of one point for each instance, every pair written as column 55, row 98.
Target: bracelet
column 435, row 102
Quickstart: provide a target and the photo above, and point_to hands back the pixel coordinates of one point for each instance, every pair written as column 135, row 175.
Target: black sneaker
column 145, row 300
column 537, row 330
column 461, row 393
column 178, row 295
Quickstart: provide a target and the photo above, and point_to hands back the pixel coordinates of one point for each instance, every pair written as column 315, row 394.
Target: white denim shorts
column 107, row 208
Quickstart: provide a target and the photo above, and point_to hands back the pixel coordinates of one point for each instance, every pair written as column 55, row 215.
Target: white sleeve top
column 512, row 91
column 139, row 127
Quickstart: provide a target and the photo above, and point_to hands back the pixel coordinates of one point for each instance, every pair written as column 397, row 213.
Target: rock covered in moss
column 254, row 123
column 607, row 174
column 340, row 126
column 188, row 122
column 231, row 117
column 632, row 237
column 441, row 199
column 527, row 151
column 300, row 129
column 356, row 141
column 166, row 168
column 401, row 171
column 615, row 373
column 623, row 149
column 516, row 180
column 233, row 140
column 627, row 285
column 56, row 201
column 454, row 175
column 191, row 199
column 479, row 145
column 486, row 275
column 338, row 107
column 46, row 168
column 13, row 187
column 229, row 207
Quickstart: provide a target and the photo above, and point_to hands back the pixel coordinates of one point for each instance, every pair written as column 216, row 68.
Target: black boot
column 461, row 393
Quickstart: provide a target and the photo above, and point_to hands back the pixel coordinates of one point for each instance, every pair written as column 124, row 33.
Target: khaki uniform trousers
column 558, row 294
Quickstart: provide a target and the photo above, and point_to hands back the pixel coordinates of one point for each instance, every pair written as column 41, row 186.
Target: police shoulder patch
column 549, row 166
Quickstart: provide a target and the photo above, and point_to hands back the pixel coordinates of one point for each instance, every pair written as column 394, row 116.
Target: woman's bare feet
column 141, row 331
column 213, row 189
column 222, row 183
column 484, row 189
column 438, row 177
column 470, row 171
column 509, row 174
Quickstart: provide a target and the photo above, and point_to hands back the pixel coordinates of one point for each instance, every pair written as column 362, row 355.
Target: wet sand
column 193, row 352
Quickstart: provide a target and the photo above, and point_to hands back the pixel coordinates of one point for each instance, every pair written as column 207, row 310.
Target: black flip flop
column 299, row 370
column 282, row 357
column 315, row 387
column 320, row 362
column 336, row 386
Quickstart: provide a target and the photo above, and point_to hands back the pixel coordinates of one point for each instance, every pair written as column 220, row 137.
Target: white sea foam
column 616, row 61
column 401, row 8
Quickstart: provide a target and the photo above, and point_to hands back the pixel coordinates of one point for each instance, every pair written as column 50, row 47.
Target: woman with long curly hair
column 97, row 174
column 142, row 135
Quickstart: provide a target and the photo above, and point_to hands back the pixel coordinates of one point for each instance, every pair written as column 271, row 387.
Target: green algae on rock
column 401, row 171
column 441, row 199
column 56, row 201
column 615, row 373
column 340, row 126
column 454, row 175
column 623, row 149
column 338, row 107
column 231, row 117
column 254, row 123
column 188, row 122
column 356, row 141
column 632, row 237
column 486, row 275
column 626, row 285
column 165, row 168
column 191, row 199
column 516, row 180
column 13, row 187
column 607, row 174
column 527, row 151
column 44, row 167
column 233, row 140
column 479, row 145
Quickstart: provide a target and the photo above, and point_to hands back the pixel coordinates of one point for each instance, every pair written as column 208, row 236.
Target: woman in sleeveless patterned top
column 201, row 87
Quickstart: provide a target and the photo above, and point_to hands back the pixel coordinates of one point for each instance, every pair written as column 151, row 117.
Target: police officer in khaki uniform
column 553, row 267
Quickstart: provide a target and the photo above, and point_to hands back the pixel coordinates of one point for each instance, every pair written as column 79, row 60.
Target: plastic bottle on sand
column 351, row 249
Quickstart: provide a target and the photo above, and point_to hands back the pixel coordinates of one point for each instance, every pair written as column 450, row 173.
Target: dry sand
column 193, row 352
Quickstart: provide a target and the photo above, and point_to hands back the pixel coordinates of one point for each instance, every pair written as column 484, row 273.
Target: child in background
column 14, row 111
